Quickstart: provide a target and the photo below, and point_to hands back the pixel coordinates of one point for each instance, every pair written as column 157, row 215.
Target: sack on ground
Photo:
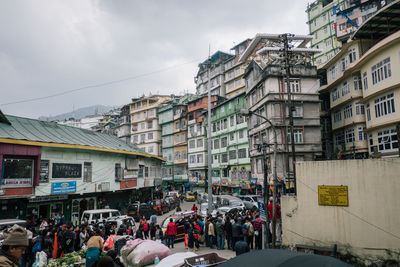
column 143, row 252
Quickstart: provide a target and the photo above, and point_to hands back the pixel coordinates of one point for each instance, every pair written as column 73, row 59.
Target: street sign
column 261, row 208
column 331, row 195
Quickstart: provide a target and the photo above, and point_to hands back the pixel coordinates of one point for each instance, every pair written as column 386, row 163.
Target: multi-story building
column 230, row 147
column 321, row 25
column 267, row 95
column 364, row 92
column 234, row 70
column 145, row 130
column 197, row 138
column 123, row 125
column 166, row 121
column 356, row 13
column 49, row 168
column 217, row 74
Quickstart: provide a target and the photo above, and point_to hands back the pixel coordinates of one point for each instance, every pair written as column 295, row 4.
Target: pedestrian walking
column 220, row 231
column 171, row 232
column 228, row 231
column 211, row 233
column 194, row 208
column 250, row 232
column 277, row 219
column 258, row 224
column 13, row 247
column 83, row 237
column 236, row 232
column 69, row 239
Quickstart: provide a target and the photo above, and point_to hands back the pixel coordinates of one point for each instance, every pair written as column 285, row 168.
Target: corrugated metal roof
column 51, row 132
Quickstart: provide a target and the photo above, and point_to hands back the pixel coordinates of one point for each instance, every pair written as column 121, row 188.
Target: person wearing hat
column 13, row 247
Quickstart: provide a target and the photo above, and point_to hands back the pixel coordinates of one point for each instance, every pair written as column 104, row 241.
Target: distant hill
column 79, row 113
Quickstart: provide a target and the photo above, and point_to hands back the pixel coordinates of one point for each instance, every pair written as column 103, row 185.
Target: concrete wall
column 369, row 226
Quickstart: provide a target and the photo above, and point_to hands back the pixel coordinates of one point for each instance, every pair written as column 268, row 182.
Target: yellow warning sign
column 332, row 195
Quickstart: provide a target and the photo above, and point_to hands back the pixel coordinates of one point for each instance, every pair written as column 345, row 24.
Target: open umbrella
column 282, row 258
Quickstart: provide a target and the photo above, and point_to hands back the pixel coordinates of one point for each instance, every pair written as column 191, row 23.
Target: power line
column 97, row 85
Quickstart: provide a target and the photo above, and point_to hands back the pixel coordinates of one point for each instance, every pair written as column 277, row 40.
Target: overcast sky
column 51, row 46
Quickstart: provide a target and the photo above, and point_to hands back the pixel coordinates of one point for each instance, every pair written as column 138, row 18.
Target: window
column 151, row 112
column 345, row 88
column 231, row 136
column 365, row 80
column 349, row 135
column 384, row 105
column 150, row 136
column 339, row 138
column 118, row 171
column 218, row 126
column 328, row 42
column 232, row 120
column 242, row 153
column 17, row 172
column 359, row 109
column 66, row 170
column 294, row 86
column 192, row 159
column 362, row 135
column 177, row 125
column 224, row 141
column 381, row 71
column 324, row 17
column 343, row 64
column 44, row 171
column 142, row 125
column 333, row 72
column 241, row 133
column 144, row 114
column 298, row 136
column 254, row 97
column 200, row 142
column 335, row 94
column 342, row 26
column 348, row 111
column 192, row 144
column 259, row 166
column 142, row 137
column 200, row 158
column 368, row 113
column 239, row 119
column 224, row 157
column 357, row 83
column 297, row 111
column 214, row 127
column 216, row 143
column 387, row 140
column 87, row 172
column 225, row 124
column 326, row 30
column 150, row 149
column 222, row 109
column 135, row 139
column 352, row 55
column 337, row 116
column 232, row 154
column 149, row 124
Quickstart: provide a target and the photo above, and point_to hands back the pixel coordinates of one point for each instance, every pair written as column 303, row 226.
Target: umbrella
column 282, row 258
column 175, row 259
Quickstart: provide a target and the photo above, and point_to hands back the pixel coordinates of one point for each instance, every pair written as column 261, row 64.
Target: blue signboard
column 63, row 187
column 261, row 208
column 253, row 180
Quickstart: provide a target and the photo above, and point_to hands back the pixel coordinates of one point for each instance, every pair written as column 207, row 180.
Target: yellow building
column 365, row 92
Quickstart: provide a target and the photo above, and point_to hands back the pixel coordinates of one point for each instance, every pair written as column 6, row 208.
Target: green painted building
column 231, row 167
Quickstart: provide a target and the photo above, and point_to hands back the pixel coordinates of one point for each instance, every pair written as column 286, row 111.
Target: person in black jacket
column 139, row 232
column 236, row 232
column 228, row 231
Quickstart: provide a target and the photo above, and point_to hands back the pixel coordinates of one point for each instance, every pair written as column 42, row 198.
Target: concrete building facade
column 145, row 130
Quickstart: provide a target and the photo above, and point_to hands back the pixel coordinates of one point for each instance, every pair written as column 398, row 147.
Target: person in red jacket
column 277, row 217
column 171, row 233
column 194, row 208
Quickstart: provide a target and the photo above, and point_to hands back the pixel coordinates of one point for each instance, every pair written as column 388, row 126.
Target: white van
column 93, row 216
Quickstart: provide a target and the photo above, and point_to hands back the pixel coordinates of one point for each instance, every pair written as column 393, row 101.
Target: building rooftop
column 25, row 131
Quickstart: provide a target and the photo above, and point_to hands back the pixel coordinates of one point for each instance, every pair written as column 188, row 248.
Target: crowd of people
column 240, row 232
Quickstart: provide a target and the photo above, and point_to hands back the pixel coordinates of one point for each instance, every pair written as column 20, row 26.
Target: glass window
column 232, row 154
column 87, row 172
column 200, row 142
column 365, row 81
column 348, row 111
column 17, row 172
column 381, row 71
column 349, row 135
column 150, row 136
column 387, row 140
column 384, row 105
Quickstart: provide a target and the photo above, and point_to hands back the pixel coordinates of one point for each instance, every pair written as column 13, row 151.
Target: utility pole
column 290, row 105
column 266, row 191
column 210, row 197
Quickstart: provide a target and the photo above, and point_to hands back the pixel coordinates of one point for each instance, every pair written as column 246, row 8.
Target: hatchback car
column 160, row 206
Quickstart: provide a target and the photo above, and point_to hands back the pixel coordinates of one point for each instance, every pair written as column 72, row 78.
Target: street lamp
column 246, row 112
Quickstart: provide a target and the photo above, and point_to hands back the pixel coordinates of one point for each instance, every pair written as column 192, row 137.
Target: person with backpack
column 60, row 241
column 250, row 233
column 69, row 239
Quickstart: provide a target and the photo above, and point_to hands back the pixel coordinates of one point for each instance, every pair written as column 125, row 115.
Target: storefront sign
column 67, row 170
column 63, row 187
column 331, row 195
column 253, row 180
column 17, row 182
column 47, row 198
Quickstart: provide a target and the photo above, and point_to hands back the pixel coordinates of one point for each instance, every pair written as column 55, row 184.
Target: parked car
column 250, row 198
column 190, row 196
column 225, row 210
column 229, row 201
column 160, row 205
column 137, row 210
column 124, row 219
column 98, row 215
column 173, row 202
column 173, row 194
column 204, row 208
column 179, row 220
column 201, row 197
